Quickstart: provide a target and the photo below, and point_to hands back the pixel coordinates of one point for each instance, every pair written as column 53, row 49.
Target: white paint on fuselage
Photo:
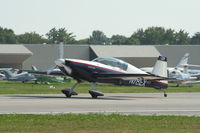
column 131, row 69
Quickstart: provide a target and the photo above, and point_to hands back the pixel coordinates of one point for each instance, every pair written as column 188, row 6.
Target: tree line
column 149, row 36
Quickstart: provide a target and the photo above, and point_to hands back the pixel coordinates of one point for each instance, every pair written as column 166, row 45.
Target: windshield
column 112, row 62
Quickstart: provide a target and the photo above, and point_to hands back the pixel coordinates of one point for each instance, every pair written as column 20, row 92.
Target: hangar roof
column 125, row 51
column 10, row 54
column 14, row 49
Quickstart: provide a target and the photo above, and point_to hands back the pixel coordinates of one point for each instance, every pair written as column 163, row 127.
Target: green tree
column 7, row 36
column 182, row 38
column 169, row 36
column 83, row 41
column 31, row 38
column 154, row 35
column 119, row 39
column 98, row 37
column 137, row 37
column 56, row 35
column 159, row 36
column 196, row 39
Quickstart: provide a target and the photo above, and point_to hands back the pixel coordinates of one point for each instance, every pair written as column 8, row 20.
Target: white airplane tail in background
column 34, row 68
column 8, row 74
column 183, row 61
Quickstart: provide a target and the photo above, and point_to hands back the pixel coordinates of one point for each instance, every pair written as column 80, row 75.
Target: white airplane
column 183, row 78
column 181, row 73
column 111, row 71
column 10, row 76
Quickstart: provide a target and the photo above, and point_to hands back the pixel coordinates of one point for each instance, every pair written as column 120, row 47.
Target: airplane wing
column 195, row 75
column 179, row 81
column 53, row 73
column 130, row 76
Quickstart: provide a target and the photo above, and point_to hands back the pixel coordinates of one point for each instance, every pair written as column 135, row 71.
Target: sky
column 81, row 17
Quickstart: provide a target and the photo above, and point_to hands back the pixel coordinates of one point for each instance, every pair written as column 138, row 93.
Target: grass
column 11, row 87
column 97, row 123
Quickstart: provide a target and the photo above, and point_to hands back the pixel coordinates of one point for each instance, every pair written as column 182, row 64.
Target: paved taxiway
column 131, row 103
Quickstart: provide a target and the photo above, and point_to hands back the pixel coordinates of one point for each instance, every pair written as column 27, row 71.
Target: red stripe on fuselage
column 96, row 66
column 161, row 83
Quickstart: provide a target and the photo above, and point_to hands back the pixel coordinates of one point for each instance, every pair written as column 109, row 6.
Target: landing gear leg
column 94, row 93
column 165, row 94
column 70, row 91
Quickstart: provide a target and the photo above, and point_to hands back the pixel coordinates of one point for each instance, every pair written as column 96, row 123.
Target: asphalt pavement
column 123, row 103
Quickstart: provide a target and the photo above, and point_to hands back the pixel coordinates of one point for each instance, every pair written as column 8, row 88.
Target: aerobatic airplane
column 112, row 71
column 109, row 71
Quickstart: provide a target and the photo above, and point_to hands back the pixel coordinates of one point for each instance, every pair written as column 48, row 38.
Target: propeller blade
column 61, row 50
column 61, row 63
column 68, row 69
column 51, row 69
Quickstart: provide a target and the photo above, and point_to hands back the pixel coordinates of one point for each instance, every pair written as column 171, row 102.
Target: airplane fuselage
column 87, row 70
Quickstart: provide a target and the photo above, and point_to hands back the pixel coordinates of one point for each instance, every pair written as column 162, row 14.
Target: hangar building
column 43, row 56
column 13, row 56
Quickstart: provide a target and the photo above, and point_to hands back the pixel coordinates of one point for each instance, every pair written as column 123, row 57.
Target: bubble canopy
column 112, row 62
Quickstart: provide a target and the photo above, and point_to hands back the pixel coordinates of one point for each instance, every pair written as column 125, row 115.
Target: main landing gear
column 70, row 91
column 165, row 94
column 93, row 92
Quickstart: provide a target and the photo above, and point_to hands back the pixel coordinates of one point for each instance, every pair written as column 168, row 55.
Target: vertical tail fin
column 183, row 61
column 160, row 68
column 8, row 74
column 34, row 68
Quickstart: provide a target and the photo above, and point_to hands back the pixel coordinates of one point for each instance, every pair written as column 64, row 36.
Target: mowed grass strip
column 11, row 87
column 97, row 123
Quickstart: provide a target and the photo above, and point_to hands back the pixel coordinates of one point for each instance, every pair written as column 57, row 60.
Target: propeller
column 60, row 62
column 61, row 54
column 51, row 69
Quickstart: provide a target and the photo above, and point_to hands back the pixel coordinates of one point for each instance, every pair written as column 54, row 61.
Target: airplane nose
column 60, row 62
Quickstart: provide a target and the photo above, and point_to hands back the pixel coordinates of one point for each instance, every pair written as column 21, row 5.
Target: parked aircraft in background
column 2, row 75
column 183, row 66
column 45, row 77
column 183, row 78
column 181, row 73
column 13, row 76
column 54, row 72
